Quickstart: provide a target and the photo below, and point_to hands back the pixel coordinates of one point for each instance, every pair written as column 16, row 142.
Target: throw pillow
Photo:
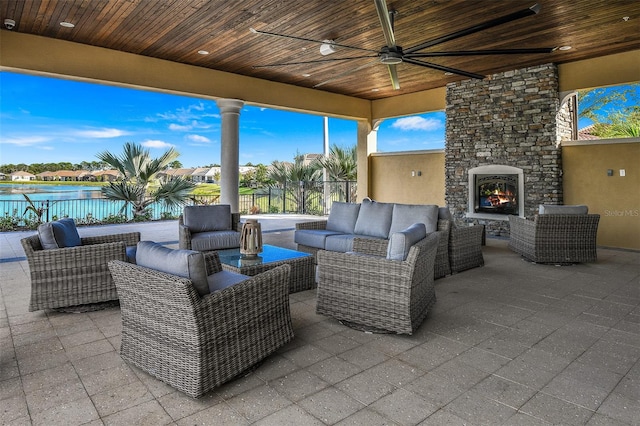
column 342, row 217
column 59, row 234
column 374, row 219
column 207, row 218
column 400, row 242
column 183, row 263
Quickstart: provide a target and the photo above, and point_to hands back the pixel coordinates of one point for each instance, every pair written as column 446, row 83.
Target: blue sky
column 46, row 120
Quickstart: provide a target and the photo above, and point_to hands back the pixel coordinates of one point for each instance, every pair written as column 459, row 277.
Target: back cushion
column 374, row 220
column 183, row 263
column 400, row 242
column 207, row 218
column 59, row 234
column 405, row 215
column 343, row 217
column 554, row 209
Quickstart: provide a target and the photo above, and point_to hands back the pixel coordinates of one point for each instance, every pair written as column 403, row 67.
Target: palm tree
column 341, row 165
column 300, row 180
column 140, row 187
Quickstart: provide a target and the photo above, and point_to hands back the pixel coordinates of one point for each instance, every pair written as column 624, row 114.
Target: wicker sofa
column 377, row 291
column 461, row 247
column 197, row 342
column 69, row 276
column 558, row 234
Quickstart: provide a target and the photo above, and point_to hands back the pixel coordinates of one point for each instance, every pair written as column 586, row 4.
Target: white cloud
column 417, row 123
column 25, row 140
column 179, row 127
column 199, row 138
column 101, row 133
column 156, row 144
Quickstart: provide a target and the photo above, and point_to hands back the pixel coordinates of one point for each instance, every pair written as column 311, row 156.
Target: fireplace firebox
column 495, row 192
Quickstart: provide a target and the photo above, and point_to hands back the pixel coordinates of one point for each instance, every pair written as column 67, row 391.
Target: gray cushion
column 131, row 253
column 341, row 243
column 215, row 240
column 400, row 242
column 405, row 215
column 223, row 279
column 554, row 209
column 445, row 213
column 374, row 220
column 183, row 263
column 342, row 217
column 312, row 237
column 207, row 218
column 59, row 234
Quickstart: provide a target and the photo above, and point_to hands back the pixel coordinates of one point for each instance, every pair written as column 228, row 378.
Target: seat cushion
column 554, row 209
column 223, row 279
column 374, row 220
column 340, row 242
column 207, row 218
column 183, row 263
column 400, row 242
column 342, row 217
column 215, row 240
column 312, row 237
column 405, row 215
column 59, row 234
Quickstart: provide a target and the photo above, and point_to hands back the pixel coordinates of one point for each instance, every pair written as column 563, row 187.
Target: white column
column 367, row 144
column 230, row 151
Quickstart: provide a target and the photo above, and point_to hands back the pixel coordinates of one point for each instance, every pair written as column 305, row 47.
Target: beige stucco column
column 230, row 151
column 367, row 143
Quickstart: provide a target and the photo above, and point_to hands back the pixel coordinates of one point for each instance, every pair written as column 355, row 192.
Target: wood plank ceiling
column 176, row 30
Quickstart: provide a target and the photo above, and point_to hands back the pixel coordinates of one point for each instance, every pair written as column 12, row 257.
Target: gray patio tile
column 313, row 332
column 52, row 344
column 298, row 385
column 89, row 349
column 393, row 344
column 601, row 420
column 404, row 407
column 331, row 405
column 275, row 366
column 611, row 356
column 366, row 417
column 435, row 388
column 109, row 378
column 42, row 361
column 445, row 417
column 365, row 387
column 483, row 360
column 290, row 416
column 34, row 337
column 81, row 338
column 504, row 391
column 179, row 405
column 13, row 409
column 118, row 399
column 306, row 355
column 10, row 388
column 396, row 372
column 363, row 357
column 333, row 370
column 74, row 412
column 629, row 388
column 258, row 402
column 148, row 413
column 474, row 407
column 577, row 392
column 433, row 353
column 460, row 375
column 92, row 364
column 566, row 343
column 534, row 368
column 621, row 408
column 238, row 386
column 336, row 344
column 219, row 414
column 585, row 373
column 556, row 411
column 522, row 419
column 55, row 394
column 36, row 326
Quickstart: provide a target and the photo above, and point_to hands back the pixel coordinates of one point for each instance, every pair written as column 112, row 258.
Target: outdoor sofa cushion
column 59, row 234
column 405, row 215
column 343, row 217
column 183, row 263
column 555, row 209
column 400, row 242
column 374, row 219
column 313, row 237
column 207, row 218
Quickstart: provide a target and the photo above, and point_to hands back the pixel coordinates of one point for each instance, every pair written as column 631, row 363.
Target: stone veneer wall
column 507, row 119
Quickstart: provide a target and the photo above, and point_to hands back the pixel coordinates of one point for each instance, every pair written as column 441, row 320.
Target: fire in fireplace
column 496, row 193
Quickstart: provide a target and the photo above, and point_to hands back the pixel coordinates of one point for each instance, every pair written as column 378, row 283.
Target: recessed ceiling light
column 625, row 18
column 306, row 75
column 203, row 52
column 448, row 73
column 375, row 90
column 67, row 24
column 564, row 48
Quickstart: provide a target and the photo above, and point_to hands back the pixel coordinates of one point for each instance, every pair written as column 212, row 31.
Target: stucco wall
column 392, row 180
column 615, row 198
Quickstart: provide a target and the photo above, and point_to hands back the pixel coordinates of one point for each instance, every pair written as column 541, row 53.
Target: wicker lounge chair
column 206, row 228
column 376, row 292
column 195, row 343
column 555, row 238
column 72, row 276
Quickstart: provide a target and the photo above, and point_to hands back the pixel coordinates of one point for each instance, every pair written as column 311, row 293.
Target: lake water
column 14, row 191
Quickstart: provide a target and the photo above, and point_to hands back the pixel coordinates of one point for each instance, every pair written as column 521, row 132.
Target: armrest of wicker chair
column 184, row 235
column 129, row 239
column 465, row 248
column 318, row 224
column 197, row 343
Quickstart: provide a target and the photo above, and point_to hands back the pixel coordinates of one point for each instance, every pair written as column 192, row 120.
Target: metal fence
column 292, row 197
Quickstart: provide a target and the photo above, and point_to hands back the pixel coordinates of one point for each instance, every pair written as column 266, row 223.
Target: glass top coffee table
column 302, row 265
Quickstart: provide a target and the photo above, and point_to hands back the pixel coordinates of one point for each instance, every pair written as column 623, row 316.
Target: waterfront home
column 21, row 176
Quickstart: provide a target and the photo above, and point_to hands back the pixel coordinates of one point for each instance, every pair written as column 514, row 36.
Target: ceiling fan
column 391, row 54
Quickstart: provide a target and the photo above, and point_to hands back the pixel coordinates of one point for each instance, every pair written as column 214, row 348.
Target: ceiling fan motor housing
column 390, row 55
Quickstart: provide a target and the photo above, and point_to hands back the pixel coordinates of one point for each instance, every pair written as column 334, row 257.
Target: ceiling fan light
column 67, row 24
column 327, row 47
column 564, row 48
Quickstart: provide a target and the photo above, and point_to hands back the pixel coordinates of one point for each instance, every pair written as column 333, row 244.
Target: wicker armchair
column 376, row 292
column 465, row 248
column 208, row 238
column 74, row 275
column 555, row 238
column 196, row 343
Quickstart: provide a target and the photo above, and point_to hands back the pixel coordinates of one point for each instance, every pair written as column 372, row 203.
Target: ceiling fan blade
column 342, row 74
column 385, row 21
column 310, row 40
column 313, row 62
column 393, row 73
column 483, row 26
column 481, row 52
column 443, row 68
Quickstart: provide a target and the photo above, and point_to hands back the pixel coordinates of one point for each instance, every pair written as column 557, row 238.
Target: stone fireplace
column 502, row 153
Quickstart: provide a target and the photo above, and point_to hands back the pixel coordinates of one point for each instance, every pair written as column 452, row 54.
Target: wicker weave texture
column 373, row 291
column 302, row 276
column 184, row 234
column 196, row 344
column 555, row 238
column 74, row 275
column 465, row 248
